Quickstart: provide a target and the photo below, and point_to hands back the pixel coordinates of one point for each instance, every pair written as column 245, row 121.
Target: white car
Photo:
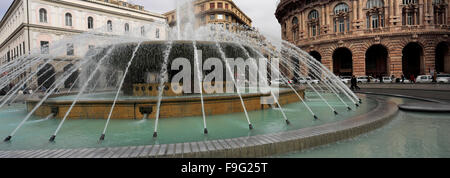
column 443, row 78
column 387, row 80
column 374, row 80
column 303, row 80
column 362, row 79
column 281, row 82
column 424, row 79
column 346, row 79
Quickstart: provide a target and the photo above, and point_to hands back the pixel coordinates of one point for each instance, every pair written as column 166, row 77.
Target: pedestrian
column 411, row 77
column 354, row 84
column 403, row 78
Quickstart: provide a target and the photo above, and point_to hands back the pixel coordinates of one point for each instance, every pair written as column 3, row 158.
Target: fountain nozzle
column 315, row 117
column 288, row 122
column 250, row 126
column 205, row 131
column 52, row 138
column 102, row 137
column 349, row 108
column 360, row 101
column 7, row 139
column 155, row 134
column 335, row 112
column 357, row 105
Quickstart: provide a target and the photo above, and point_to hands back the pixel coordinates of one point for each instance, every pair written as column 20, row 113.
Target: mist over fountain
column 132, row 77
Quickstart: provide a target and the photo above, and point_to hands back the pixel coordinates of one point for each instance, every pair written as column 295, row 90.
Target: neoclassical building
column 221, row 12
column 370, row 37
column 32, row 24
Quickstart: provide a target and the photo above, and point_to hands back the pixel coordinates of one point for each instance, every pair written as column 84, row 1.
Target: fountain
column 183, row 83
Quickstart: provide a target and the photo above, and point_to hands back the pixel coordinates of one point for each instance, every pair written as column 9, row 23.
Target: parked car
column 308, row 79
column 424, row 79
column 362, row 79
column 374, row 80
column 282, row 81
column 346, row 79
column 443, row 78
column 387, row 80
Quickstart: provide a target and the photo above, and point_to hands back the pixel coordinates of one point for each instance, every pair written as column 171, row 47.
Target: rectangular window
column 335, row 26
column 202, row 8
column 157, row 33
column 212, row 17
column 409, row 18
column 341, row 25
column 220, row 16
column 91, row 46
column 226, row 6
column 20, row 49
column 44, row 47
column 70, row 49
column 8, row 56
column 374, row 21
column 23, row 47
column 368, row 22
column 212, row 5
column 220, row 5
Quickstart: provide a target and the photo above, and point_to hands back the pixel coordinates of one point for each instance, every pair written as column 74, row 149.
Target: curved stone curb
column 402, row 96
column 425, row 107
column 242, row 147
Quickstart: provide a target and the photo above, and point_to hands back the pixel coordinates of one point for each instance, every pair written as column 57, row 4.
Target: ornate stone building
column 370, row 37
column 36, row 24
column 221, row 12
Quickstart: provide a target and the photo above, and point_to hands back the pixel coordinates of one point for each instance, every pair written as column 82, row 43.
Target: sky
column 260, row 11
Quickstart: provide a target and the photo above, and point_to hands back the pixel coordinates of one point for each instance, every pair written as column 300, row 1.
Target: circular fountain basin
column 84, row 133
column 98, row 105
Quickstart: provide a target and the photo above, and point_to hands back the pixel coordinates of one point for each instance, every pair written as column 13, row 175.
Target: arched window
column 375, row 14
column 374, row 4
column 313, row 22
column 341, row 18
column 42, row 15
column 109, row 26
column 294, row 28
column 90, row 23
column 127, row 28
column 294, row 21
column 68, row 19
column 410, row 12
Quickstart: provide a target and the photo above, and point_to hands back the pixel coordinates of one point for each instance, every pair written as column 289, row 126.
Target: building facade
column 33, row 24
column 370, row 37
column 220, row 12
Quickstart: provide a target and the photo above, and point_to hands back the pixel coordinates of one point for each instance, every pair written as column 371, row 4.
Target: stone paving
column 242, row 147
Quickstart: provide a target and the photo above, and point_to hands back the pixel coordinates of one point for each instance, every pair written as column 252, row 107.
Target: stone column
column 391, row 13
column 421, row 13
column 360, row 12
column 395, row 66
column 397, row 8
column 355, row 10
column 428, row 57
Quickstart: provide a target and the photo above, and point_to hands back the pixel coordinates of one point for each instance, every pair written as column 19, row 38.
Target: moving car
column 424, row 79
column 443, row 78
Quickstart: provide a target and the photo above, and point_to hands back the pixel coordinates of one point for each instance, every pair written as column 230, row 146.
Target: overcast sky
column 260, row 11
